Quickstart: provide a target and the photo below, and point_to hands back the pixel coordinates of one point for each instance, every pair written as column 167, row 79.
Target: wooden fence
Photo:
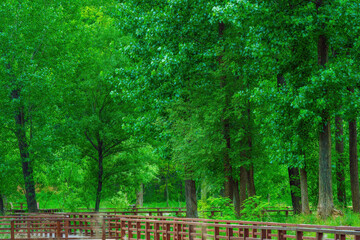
column 110, row 226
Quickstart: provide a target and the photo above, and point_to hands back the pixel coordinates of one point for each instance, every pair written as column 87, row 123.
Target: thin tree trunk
column 326, row 204
column 236, row 198
column 294, row 180
column 354, row 174
column 166, row 184
column 20, row 132
column 250, row 181
column 243, row 183
column 228, row 185
column 340, row 163
column 100, row 178
column 2, row 207
column 203, row 190
column 305, row 208
column 191, row 201
column 140, row 196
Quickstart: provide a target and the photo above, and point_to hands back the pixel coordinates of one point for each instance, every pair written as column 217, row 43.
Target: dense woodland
column 174, row 100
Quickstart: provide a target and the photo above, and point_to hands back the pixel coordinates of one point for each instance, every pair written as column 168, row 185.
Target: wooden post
column 138, row 230
column 203, row 232
column 254, row 231
column 80, row 223
column 281, row 234
column 177, row 230
column 263, row 234
column 229, row 233
column 167, row 235
column 130, row 233
column 191, row 230
column 156, row 231
column 66, row 229
column 28, row 229
column 103, row 229
column 299, row 235
column 122, row 229
column 268, row 234
column 12, row 230
column 319, row 236
column 110, row 228
column 58, row 229
column 216, row 233
column 147, row 232
column 246, row 233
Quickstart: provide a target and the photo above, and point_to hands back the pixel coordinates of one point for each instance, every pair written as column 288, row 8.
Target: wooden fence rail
column 70, row 226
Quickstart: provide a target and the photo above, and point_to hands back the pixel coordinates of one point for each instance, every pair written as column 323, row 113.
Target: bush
column 221, row 203
column 253, row 209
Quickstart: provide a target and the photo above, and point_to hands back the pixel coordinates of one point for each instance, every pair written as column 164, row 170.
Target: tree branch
column 92, row 143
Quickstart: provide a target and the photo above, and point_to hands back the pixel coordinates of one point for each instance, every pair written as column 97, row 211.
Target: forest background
column 109, row 102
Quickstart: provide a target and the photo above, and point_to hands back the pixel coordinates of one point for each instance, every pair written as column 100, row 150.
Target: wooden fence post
column 281, row 234
column 147, row 231
column 28, row 229
column 103, row 229
column 229, row 232
column 167, row 229
column 216, row 233
column 138, row 230
column 156, row 231
column 246, row 233
column 122, row 229
column 191, row 230
column 58, row 229
column 299, row 235
column 66, row 229
column 203, row 231
column 263, row 234
column 254, row 231
column 12, row 230
column 177, row 230
column 130, row 233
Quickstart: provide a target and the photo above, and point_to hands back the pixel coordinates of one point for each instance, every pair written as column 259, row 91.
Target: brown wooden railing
column 100, row 227
column 110, row 226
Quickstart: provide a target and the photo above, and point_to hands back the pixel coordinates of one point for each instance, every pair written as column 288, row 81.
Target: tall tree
column 340, row 161
column 354, row 169
column 326, row 204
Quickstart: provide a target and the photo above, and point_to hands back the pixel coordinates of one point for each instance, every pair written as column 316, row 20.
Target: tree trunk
column 228, row 185
column 166, row 184
column 190, row 196
column 2, row 207
column 203, row 190
column 340, row 163
column 295, row 188
column 140, row 196
column 326, row 204
column 100, row 177
column 305, row 208
column 243, row 183
column 354, row 175
column 236, row 198
column 20, row 132
column 250, row 181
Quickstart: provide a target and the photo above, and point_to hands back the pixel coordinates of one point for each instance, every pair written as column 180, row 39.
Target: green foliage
column 220, row 203
column 253, row 209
